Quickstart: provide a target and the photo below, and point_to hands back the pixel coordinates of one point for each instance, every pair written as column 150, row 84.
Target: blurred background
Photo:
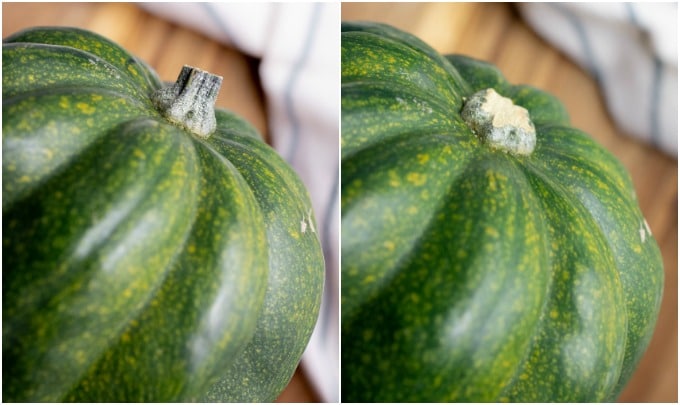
column 500, row 34
column 267, row 82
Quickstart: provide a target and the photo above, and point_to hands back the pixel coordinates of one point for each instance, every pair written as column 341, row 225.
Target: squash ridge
column 566, row 196
column 110, row 76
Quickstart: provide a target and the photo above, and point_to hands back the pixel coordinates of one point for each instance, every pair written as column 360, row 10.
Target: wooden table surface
column 166, row 47
column 496, row 33
column 489, row 31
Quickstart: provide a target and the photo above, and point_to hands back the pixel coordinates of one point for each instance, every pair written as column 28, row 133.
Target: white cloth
column 632, row 51
column 299, row 48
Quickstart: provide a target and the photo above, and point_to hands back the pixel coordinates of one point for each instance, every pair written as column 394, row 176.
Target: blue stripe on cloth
column 632, row 16
column 654, row 111
column 213, row 14
column 289, row 155
column 580, row 30
column 330, row 295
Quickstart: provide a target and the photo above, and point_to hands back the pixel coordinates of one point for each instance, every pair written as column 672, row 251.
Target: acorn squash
column 154, row 248
column 490, row 251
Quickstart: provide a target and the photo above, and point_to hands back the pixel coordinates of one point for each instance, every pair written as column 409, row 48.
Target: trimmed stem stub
column 190, row 101
column 500, row 123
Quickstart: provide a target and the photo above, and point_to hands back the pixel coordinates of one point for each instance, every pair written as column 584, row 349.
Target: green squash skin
column 136, row 255
column 469, row 273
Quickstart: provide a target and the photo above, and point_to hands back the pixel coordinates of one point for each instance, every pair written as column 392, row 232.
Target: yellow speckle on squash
column 417, row 179
column 86, row 108
column 64, row 102
column 394, row 178
column 423, row 158
column 139, row 154
column 132, row 70
column 493, row 232
column 389, row 245
column 492, row 182
column 80, row 357
column 24, row 125
column 437, row 381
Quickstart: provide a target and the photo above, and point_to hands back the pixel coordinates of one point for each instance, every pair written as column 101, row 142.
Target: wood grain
column 495, row 32
column 166, row 47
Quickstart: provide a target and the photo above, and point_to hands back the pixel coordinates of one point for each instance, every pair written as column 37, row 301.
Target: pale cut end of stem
column 190, row 101
column 499, row 122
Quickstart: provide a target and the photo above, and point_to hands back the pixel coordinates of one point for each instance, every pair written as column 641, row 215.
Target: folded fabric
column 632, row 51
column 298, row 45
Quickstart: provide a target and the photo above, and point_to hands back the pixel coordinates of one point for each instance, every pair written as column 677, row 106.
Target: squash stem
column 190, row 101
column 500, row 123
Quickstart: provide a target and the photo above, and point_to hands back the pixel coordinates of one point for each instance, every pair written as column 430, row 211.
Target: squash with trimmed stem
column 154, row 248
column 490, row 251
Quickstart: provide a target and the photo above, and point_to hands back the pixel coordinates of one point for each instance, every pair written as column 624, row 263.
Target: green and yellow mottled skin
column 140, row 262
column 474, row 274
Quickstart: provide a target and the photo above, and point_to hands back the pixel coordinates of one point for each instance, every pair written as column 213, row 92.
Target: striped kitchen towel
column 298, row 45
column 632, row 51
